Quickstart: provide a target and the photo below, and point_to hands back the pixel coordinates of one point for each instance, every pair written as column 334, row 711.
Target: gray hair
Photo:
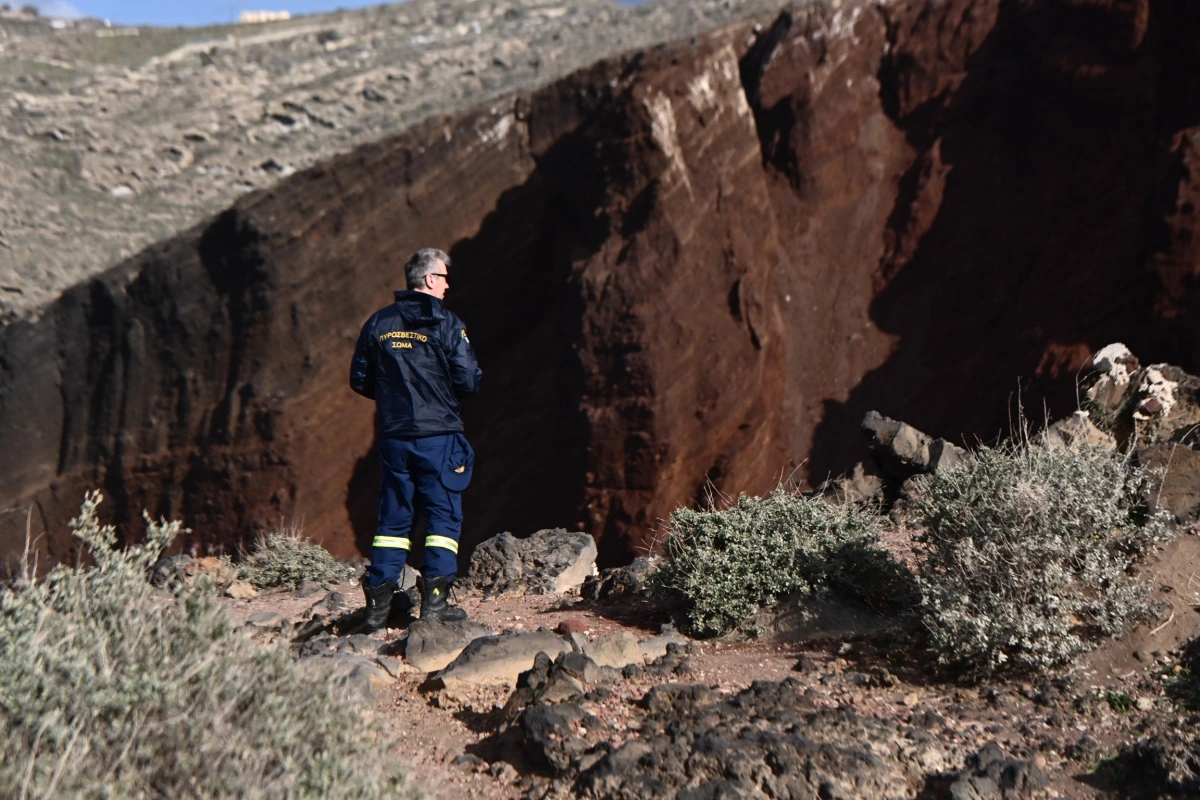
column 422, row 263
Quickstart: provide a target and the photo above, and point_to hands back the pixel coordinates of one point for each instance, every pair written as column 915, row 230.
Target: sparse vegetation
column 727, row 564
column 1182, row 686
column 283, row 558
column 115, row 689
column 1119, row 702
column 1026, row 555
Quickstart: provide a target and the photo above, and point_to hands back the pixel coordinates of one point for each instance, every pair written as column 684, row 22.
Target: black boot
column 404, row 607
column 379, row 604
column 435, row 601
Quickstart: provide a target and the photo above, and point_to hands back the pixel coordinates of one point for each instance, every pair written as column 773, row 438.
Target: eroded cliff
column 687, row 268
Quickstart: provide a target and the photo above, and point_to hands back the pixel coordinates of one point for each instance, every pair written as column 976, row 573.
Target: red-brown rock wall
column 685, row 270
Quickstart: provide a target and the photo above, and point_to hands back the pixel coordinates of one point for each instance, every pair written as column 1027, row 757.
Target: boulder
column 430, row 646
column 1149, row 405
column 617, row 650
column 618, row 581
column 1156, row 409
column 694, row 739
column 556, row 680
column 656, row 646
column 241, row 590
column 553, row 734
column 332, row 604
column 991, row 775
column 902, row 451
column 365, row 676
column 499, row 659
column 187, row 569
column 549, row 561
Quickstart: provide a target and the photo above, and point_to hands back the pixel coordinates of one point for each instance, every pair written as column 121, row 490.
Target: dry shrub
column 1027, row 554
column 283, row 558
column 113, row 688
column 727, row 564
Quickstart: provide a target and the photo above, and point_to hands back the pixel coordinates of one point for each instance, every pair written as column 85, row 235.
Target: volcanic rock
column 790, row 750
column 1157, row 408
column 552, row 733
column 1076, row 432
column 241, row 590
column 499, row 659
column 693, row 265
column 618, row 581
column 903, row 451
column 616, row 650
column 431, row 646
column 549, row 561
column 365, row 676
column 556, row 680
column 991, row 775
column 656, row 646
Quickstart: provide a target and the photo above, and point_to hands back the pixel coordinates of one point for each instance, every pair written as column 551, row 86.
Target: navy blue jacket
column 414, row 359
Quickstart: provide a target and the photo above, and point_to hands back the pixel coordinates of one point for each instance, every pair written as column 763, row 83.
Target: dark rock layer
column 767, row 741
column 702, row 262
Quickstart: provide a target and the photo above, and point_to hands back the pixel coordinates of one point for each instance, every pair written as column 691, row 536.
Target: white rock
column 1108, row 359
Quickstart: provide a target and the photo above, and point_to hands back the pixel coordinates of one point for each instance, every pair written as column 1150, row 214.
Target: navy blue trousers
column 418, row 476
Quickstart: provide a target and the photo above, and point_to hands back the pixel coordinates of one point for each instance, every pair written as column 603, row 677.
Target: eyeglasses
column 444, row 275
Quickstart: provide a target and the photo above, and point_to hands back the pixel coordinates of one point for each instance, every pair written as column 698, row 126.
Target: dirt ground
column 1070, row 726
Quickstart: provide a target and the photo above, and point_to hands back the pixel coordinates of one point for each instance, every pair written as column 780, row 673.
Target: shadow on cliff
column 513, row 288
column 1053, row 147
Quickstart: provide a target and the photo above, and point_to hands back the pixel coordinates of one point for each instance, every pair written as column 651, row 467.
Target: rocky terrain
column 689, row 266
column 572, row 682
column 590, row 692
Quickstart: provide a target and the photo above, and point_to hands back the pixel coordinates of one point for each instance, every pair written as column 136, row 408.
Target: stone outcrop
column 698, row 263
column 431, row 646
column 902, row 451
column 1153, row 411
column 991, row 775
column 545, row 562
column 694, row 739
column 499, row 659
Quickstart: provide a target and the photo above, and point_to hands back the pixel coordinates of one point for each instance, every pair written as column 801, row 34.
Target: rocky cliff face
column 693, row 266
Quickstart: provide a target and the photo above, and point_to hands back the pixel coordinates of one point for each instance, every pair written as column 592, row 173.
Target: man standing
column 414, row 360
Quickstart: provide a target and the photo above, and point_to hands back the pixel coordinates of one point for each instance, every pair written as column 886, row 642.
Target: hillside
column 115, row 138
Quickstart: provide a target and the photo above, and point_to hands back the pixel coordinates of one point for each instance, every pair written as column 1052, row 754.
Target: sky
column 192, row 12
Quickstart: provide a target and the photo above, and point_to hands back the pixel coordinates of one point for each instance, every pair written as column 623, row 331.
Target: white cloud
column 60, row 9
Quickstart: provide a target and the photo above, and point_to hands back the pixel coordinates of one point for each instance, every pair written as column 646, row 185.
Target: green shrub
column 1026, row 553
column 728, row 564
column 112, row 688
column 283, row 558
column 1119, row 702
